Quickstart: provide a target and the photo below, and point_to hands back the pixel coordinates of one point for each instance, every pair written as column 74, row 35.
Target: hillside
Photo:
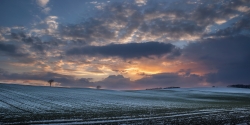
column 37, row 104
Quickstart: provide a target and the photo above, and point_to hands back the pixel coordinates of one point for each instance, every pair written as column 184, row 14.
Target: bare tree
column 50, row 82
column 98, row 87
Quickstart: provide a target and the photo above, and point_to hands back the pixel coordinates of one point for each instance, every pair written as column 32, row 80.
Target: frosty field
column 52, row 105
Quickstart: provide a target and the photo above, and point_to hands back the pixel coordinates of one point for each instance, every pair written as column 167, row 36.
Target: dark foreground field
column 48, row 105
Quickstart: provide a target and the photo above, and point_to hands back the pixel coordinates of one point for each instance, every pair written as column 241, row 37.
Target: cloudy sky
column 125, row 44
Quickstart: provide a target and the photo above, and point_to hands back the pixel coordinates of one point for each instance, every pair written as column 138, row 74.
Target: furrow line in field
column 12, row 103
column 129, row 119
column 43, row 104
column 30, row 104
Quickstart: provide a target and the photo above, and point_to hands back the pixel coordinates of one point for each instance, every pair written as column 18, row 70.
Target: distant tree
column 98, row 87
column 50, row 82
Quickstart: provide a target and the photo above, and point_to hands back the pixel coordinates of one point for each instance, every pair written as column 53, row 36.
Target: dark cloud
column 116, row 82
column 240, row 27
column 118, row 21
column 174, row 29
column 211, row 13
column 171, row 22
column 230, row 56
column 194, row 21
column 152, row 81
column 35, row 43
column 18, row 36
column 129, row 50
column 90, row 30
column 11, row 50
column 170, row 79
column 2, row 72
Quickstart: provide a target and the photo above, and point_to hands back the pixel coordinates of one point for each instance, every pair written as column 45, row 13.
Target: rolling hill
column 42, row 105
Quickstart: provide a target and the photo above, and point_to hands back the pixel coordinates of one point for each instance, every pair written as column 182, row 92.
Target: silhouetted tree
column 50, row 82
column 98, row 87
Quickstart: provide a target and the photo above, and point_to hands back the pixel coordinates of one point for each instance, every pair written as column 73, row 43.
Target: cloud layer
column 126, row 44
column 129, row 50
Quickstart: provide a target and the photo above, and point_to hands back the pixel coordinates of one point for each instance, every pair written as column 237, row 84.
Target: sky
column 125, row 44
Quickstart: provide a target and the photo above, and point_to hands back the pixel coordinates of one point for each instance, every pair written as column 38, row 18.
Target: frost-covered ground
column 43, row 105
